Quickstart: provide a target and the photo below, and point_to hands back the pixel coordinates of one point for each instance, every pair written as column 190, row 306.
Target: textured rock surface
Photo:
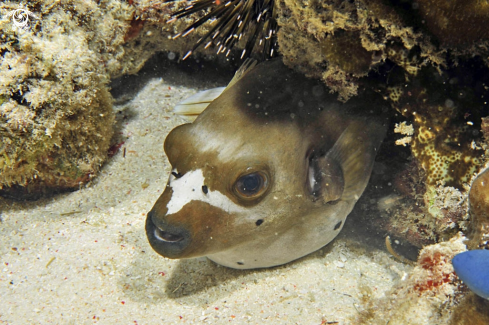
column 55, row 107
column 426, row 295
column 479, row 212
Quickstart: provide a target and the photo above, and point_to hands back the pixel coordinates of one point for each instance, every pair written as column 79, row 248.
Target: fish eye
column 251, row 185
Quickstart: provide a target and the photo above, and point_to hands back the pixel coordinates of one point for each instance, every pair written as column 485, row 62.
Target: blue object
column 472, row 267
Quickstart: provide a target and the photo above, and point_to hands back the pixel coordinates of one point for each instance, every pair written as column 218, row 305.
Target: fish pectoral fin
column 355, row 152
column 196, row 104
column 326, row 179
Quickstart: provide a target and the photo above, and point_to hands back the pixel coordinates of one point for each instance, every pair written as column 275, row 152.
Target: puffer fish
column 267, row 173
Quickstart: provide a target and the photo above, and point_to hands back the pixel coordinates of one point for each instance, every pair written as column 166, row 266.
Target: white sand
column 83, row 257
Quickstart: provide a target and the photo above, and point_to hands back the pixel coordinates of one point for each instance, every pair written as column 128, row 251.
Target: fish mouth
column 166, row 239
column 167, row 236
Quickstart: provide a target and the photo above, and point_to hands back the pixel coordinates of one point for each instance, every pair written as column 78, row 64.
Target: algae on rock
column 56, row 110
column 425, row 295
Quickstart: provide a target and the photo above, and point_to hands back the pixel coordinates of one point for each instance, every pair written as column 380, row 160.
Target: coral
column 478, row 232
column 445, row 108
column 150, row 33
column 313, row 38
column 337, row 41
column 356, row 37
column 340, row 41
column 426, row 294
column 434, row 217
column 406, row 130
column 434, row 269
column 397, row 202
column 56, row 111
column 472, row 310
column 455, row 23
column 446, row 111
column 336, row 48
column 485, row 127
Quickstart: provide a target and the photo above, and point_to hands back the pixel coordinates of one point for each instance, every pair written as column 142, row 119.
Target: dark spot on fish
column 259, row 222
column 240, row 263
column 205, row 189
column 177, row 175
column 338, row 225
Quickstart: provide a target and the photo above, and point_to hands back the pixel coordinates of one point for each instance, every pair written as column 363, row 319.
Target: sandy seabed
column 83, row 257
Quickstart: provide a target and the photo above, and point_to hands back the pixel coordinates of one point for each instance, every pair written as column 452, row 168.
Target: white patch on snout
column 189, row 188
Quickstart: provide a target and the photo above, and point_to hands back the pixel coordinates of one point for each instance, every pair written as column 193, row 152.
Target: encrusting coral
column 478, row 233
column 150, row 33
column 446, row 113
column 56, row 110
column 447, row 140
column 472, row 310
column 426, row 294
column 455, row 23
column 342, row 41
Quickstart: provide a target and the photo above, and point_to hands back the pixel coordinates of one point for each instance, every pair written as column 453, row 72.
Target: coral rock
column 446, row 114
column 427, row 293
column 55, row 107
column 478, row 233
column 455, row 23
column 472, row 310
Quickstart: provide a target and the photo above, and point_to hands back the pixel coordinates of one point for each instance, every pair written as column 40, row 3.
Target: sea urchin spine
column 232, row 20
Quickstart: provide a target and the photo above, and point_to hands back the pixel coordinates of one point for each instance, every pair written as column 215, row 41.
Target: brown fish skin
column 306, row 156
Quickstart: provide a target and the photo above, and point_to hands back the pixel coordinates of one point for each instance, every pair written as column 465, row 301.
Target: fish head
column 227, row 189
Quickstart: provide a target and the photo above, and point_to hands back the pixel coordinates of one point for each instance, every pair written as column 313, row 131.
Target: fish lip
column 167, row 240
column 166, row 236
